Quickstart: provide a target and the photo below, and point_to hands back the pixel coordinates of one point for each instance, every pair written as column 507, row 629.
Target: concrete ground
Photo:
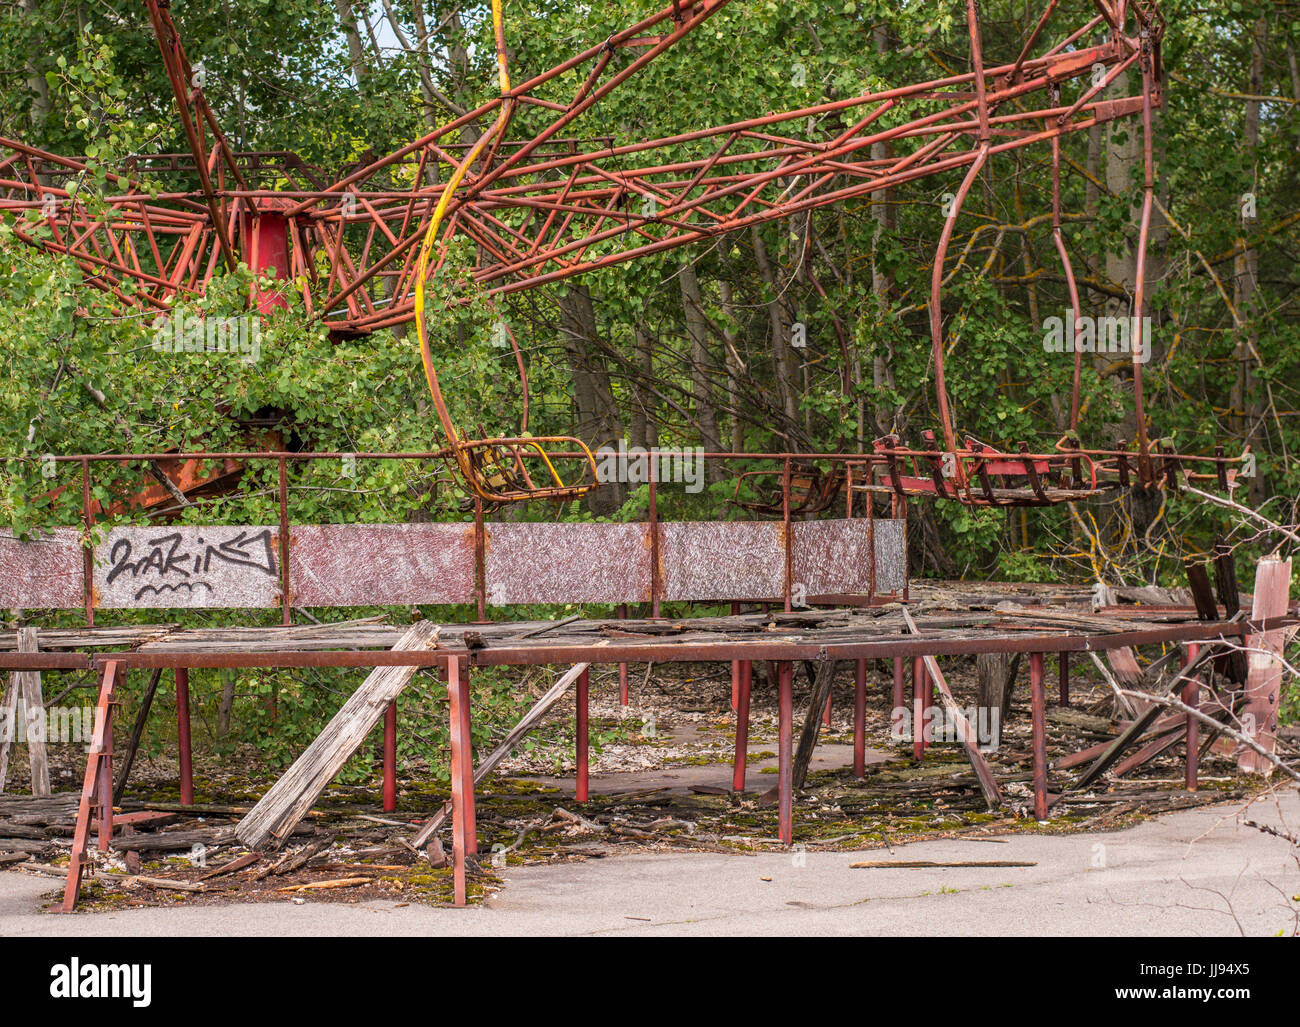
column 1198, row 872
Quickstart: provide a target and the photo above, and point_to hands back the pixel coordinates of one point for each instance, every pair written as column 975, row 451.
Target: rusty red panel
column 722, row 560
column 42, row 574
column 381, row 564
column 832, row 556
column 213, row 566
column 568, row 563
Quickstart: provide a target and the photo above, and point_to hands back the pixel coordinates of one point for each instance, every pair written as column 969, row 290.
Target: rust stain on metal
column 382, row 564
column 44, row 573
column 708, row 560
column 567, row 563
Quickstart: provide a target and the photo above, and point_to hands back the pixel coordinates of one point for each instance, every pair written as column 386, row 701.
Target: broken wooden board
column 1264, row 676
column 25, row 685
column 273, row 818
column 1145, row 719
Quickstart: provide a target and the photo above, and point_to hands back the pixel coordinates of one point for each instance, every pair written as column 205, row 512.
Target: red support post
column 1038, row 700
column 860, row 719
column 105, row 784
column 1192, row 697
column 390, row 757
column 460, row 794
column 1064, row 668
column 785, row 747
column 742, row 726
column 900, row 684
column 919, row 676
column 622, row 667
column 92, row 785
column 929, row 705
column 183, row 743
column 584, row 687
column 467, row 763
column 735, row 669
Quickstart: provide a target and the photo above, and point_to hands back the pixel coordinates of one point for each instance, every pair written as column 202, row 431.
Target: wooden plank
column 272, row 820
column 969, row 736
column 30, row 682
column 137, row 732
column 8, row 725
column 1130, row 735
column 1264, row 677
column 822, row 680
column 25, row 685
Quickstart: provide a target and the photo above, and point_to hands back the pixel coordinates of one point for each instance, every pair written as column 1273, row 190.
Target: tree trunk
column 1246, row 405
column 356, row 52
column 697, row 330
column 598, row 423
column 995, row 674
column 780, row 327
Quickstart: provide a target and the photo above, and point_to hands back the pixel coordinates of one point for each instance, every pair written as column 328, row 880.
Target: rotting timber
column 945, row 621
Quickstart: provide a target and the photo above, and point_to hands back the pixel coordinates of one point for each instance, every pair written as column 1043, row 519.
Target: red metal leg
column 742, row 726
column 390, row 758
column 929, row 704
column 1038, row 699
column 584, row 686
column 900, row 684
column 1064, row 667
column 918, row 708
column 785, row 748
column 458, row 741
column 105, row 786
column 860, row 720
column 622, row 667
column 92, row 783
column 1192, row 697
column 183, row 735
column 735, row 670
column 467, row 763
column 826, row 717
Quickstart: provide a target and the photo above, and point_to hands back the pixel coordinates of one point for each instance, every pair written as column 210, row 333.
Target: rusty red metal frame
column 547, row 206
column 86, row 461
column 456, row 662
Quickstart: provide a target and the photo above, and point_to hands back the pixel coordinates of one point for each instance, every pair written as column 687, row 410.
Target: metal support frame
column 97, row 787
column 183, row 743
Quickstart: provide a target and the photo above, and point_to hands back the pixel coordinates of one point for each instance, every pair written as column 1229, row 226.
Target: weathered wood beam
column 272, row 820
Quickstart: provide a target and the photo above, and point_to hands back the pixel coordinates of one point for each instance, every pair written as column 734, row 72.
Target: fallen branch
column 341, row 882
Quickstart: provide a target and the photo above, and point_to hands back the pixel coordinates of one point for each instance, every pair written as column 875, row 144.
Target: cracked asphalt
column 1195, row 873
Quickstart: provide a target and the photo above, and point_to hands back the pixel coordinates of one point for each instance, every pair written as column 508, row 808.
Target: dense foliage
column 335, row 82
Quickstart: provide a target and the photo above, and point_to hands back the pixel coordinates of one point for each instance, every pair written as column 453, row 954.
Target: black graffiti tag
column 183, row 569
